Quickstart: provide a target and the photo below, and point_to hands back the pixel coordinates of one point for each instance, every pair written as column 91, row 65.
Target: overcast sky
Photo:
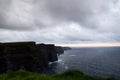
column 60, row 21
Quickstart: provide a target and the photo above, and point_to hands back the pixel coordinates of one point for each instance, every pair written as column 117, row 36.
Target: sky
column 60, row 21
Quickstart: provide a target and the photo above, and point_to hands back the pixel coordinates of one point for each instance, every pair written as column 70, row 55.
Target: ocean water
column 100, row 61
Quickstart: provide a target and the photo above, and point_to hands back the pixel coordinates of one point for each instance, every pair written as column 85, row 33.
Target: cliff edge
column 26, row 55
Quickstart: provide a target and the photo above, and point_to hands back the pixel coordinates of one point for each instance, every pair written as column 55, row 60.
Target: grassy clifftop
column 69, row 75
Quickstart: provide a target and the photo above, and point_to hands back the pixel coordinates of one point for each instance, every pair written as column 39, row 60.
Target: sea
column 93, row 61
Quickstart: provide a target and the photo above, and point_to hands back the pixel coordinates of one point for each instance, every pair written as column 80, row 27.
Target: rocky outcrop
column 66, row 48
column 3, row 64
column 47, row 53
column 20, row 55
column 51, row 50
column 59, row 50
column 26, row 55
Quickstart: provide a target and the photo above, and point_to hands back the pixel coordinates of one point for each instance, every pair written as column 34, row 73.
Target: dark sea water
column 102, row 62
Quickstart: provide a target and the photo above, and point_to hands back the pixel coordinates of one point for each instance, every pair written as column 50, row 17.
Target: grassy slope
column 69, row 75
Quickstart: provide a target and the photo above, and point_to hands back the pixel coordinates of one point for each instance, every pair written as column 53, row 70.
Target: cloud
column 59, row 34
column 16, row 14
column 91, row 14
column 60, row 21
column 24, row 15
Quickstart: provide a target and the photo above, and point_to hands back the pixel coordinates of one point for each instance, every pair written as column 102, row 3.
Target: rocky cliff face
column 66, row 48
column 59, row 50
column 3, row 64
column 26, row 55
column 47, row 53
column 51, row 50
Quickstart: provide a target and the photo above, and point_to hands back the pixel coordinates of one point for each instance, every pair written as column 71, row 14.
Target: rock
column 20, row 55
column 59, row 50
column 52, row 54
column 66, row 48
column 26, row 55
column 42, row 54
column 46, row 53
column 3, row 63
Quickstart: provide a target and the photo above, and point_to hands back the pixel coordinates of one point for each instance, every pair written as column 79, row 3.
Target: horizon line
column 113, row 44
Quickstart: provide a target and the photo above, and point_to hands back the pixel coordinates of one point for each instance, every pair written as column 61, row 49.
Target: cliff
column 59, row 50
column 46, row 53
column 66, row 48
column 3, row 64
column 51, row 50
column 26, row 55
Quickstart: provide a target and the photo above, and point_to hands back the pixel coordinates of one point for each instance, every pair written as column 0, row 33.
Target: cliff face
column 42, row 58
column 46, row 53
column 20, row 55
column 26, row 55
column 59, row 50
column 3, row 64
column 51, row 50
column 66, row 48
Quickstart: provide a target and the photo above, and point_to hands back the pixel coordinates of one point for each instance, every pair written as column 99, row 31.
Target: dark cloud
column 16, row 14
column 77, row 10
column 69, row 21
column 91, row 14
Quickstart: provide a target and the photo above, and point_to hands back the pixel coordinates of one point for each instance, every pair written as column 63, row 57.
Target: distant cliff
column 66, row 48
column 26, row 55
column 60, row 49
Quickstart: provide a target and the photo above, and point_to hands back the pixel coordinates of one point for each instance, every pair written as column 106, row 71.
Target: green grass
column 68, row 75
